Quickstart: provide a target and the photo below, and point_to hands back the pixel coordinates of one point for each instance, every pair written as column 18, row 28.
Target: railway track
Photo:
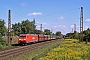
column 4, row 55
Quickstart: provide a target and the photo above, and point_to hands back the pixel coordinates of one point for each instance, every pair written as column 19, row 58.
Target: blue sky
column 56, row 15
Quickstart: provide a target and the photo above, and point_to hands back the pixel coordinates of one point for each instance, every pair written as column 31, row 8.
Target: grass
column 14, row 39
column 3, row 43
column 35, row 54
column 70, row 49
column 5, row 46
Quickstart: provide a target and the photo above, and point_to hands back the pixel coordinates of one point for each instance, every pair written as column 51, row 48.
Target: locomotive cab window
column 22, row 36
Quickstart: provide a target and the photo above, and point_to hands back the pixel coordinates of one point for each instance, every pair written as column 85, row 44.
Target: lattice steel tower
column 9, row 26
column 41, row 27
column 34, row 21
column 81, row 25
column 74, row 27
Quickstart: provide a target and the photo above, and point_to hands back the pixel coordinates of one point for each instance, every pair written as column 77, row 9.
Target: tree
column 3, row 28
column 70, row 35
column 16, row 28
column 2, row 42
column 58, row 33
column 24, row 27
column 75, row 36
column 28, row 27
column 38, row 31
column 47, row 32
column 86, row 34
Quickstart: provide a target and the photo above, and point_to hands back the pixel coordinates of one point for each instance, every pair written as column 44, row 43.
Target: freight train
column 28, row 38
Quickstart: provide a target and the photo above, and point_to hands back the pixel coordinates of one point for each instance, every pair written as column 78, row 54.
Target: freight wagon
column 51, row 37
column 42, row 37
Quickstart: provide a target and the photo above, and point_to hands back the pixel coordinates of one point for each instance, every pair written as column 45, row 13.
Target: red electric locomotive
column 27, row 38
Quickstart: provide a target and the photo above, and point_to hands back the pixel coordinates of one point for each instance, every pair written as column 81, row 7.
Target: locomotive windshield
column 22, row 36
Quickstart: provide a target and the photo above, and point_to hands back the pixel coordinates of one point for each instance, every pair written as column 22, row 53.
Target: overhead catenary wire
column 60, row 12
column 46, row 15
column 49, row 14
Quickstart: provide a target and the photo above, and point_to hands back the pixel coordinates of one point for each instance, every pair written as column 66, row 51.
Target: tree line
column 29, row 27
column 24, row 27
column 76, row 35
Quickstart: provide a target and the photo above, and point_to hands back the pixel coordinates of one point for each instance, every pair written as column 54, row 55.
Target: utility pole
column 74, row 27
column 34, row 21
column 51, row 34
column 72, row 30
column 9, row 26
column 81, row 25
column 41, row 27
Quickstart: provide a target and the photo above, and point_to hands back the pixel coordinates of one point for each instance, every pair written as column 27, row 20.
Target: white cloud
column 38, row 26
column 72, row 26
column 59, row 27
column 55, row 26
column 44, row 23
column 61, row 18
column 87, row 27
column 64, row 26
column 46, row 28
column 34, row 14
column 38, row 23
column 23, row 4
column 87, row 20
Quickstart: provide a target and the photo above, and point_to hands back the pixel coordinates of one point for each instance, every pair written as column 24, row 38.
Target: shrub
column 2, row 42
column 67, row 37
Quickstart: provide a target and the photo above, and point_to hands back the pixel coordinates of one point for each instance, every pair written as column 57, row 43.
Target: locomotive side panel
column 32, row 38
column 27, row 38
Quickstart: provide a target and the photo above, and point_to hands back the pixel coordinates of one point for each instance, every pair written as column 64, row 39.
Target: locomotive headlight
column 24, row 39
column 19, row 39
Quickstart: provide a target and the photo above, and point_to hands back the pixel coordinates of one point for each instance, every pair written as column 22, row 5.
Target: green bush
column 67, row 37
column 2, row 42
